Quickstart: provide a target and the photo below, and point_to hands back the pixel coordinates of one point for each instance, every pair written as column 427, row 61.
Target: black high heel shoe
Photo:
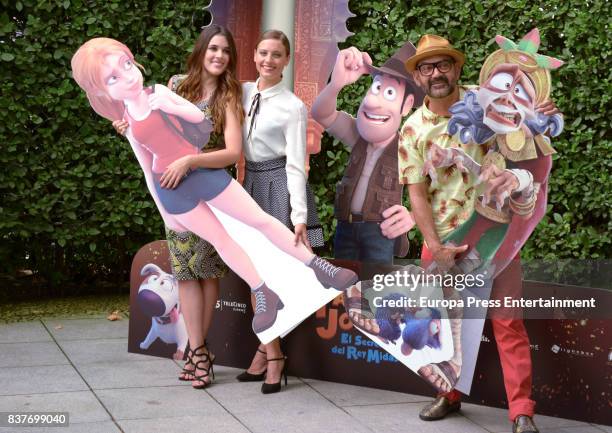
column 245, row 376
column 187, row 374
column 270, row 388
column 205, row 364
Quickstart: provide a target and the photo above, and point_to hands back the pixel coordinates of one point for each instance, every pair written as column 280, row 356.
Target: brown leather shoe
column 524, row 424
column 439, row 408
column 267, row 304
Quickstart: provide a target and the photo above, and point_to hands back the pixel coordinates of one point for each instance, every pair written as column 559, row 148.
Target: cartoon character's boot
column 267, row 304
column 332, row 276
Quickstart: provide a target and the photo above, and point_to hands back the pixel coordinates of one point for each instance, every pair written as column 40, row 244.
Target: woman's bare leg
column 198, row 299
column 275, row 368
column 259, row 362
column 192, row 303
column 210, row 292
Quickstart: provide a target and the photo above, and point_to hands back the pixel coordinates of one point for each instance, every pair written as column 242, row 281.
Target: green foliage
column 74, row 205
column 578, row 223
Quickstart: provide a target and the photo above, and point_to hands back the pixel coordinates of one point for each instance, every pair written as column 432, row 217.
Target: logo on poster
column 353, row 348
column 582, row 353
column 237, row 307
column 360, row 348
column 333, row 320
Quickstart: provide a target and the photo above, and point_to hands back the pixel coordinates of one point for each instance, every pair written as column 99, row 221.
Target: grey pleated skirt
column 266, row 182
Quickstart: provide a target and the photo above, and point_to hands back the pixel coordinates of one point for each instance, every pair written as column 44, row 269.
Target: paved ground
column 82, row 366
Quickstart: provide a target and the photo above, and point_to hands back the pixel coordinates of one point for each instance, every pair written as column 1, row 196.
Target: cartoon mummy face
column 507, row 98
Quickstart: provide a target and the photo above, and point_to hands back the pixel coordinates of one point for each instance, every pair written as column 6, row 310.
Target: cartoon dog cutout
column 158, row 299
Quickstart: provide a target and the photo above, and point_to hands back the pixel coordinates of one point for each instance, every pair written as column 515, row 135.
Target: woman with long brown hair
column 211, row 84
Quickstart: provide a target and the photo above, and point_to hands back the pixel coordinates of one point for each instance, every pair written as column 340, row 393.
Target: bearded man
column 440, row 207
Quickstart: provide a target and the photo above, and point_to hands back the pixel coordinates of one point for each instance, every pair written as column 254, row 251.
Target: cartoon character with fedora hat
column 368, row 206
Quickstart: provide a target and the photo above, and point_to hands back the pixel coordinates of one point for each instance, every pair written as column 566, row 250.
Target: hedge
column 578, row 223
column 74, row 206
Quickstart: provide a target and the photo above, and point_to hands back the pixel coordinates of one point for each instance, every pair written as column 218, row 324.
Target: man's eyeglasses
column 443, row 66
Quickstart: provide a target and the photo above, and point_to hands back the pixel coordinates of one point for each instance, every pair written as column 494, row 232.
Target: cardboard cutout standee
column 371, row 217
column 158, row 299
column 514, row 173
column 501, row 113
column 368, row 206
column 207, row 200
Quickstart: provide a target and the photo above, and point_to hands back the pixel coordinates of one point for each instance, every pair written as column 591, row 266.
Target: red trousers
column 512, row 343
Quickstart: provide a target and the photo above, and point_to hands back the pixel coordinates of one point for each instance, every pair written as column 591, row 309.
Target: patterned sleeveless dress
column 191, row 257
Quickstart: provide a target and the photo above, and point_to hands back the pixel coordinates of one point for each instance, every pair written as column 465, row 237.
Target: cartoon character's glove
column 467, row 120
column 553, row 124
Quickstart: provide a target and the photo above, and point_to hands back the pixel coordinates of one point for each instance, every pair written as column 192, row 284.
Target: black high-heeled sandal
column 270, row 388
column 204, row 359
column 187, row 374
column 183, row 375
column 245, row 376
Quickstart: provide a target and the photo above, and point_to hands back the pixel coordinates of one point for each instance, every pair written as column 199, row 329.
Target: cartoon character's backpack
column 197, row 134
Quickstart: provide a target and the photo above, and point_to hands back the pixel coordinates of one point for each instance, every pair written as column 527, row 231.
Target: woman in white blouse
column 274, row 143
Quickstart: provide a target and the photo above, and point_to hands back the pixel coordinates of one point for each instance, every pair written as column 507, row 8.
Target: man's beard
column 439, row 93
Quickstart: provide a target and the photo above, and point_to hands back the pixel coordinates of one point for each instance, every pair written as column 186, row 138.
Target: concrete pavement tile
column 105, row 375
column 39, row 380
column 159, row 402
column 88, row 427
column 310, row 420
column 104, row 350
column 496, row 420
column 225, row 424
column 606, row 428
column 87, row 329
column 23, row 332
column 404, row 417
column 350, row 395
column 31, row 354
column 225, row 374
column 82, row 406
column 293, row 400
